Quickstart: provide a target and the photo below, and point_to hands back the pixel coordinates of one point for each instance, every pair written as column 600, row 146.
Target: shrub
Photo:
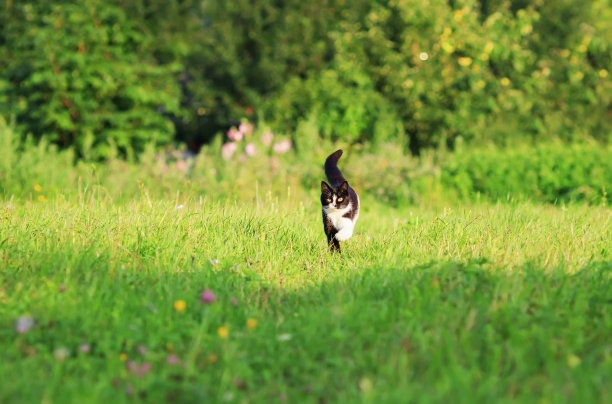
column 547, row 172
column 79, row 74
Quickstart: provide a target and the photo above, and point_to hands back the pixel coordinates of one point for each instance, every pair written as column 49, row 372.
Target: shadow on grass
column 437, row 332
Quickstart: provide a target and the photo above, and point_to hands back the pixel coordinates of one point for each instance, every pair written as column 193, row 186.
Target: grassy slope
column 485, row 302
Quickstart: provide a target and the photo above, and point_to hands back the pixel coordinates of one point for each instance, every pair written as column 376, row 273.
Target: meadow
column 191, row 299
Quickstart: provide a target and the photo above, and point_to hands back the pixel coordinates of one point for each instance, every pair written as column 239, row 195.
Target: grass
column 479, row 303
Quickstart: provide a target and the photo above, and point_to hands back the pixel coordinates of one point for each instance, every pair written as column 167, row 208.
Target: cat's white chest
column 343, row 225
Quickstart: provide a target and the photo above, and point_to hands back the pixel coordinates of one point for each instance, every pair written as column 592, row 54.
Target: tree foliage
column 418, row 73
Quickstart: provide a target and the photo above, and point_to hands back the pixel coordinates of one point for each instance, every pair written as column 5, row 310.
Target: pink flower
column 267, row 138
column 85, row 348
column 138, row 370
column 23, row 324
column 142, row 349
column 228, row 150
column 282, row 147
column 250, row 149
column 173, row 359
column 208, row 296
column 234, row 134
column 182, row 166
column 246, row 128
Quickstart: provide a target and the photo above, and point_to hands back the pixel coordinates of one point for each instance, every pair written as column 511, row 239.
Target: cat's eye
column 340, row 199
column 328, row 200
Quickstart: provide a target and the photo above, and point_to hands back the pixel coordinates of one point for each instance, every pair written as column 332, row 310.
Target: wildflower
column 228, row 150
column 181, row 165
column 180, row 305
column 208, row 296
column 37, row 188
column 464, row 61
column 282, row 147
column 123, row 356
column 365, row 384
column 234, row 300
column 85, row 348
column 284, row 337
column 234, row 134
column 250, row 149
column 251, row 323
column 267, row 138
column 603, row 73
column 23, row 324
column 505, row 81
column 223, row 332
column 213, row 262
column 180, row 207
column 579, row 76
column 435, row 283
column 246, row 128
column 573, row 361
column 448, row 47
column 61, row 288
column 488, row 47
column 141, row 349
column 173, row 359
column 61, row 354
column 423, row 56
column 139, row 370
column 212, row 358
column 480, row 84
column 41, row 198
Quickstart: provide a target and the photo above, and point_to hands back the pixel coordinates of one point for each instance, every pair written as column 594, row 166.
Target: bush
column 548, row 172
column 79, row 74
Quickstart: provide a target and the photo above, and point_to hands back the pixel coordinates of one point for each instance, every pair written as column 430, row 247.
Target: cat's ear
column 325, row 188
column 343, row 187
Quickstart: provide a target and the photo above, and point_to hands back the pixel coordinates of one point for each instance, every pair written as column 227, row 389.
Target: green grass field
column 479, row 303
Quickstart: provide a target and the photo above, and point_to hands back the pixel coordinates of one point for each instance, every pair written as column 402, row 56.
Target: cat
column 340, row 204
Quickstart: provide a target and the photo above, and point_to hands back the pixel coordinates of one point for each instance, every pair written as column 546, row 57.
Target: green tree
column 81, row 74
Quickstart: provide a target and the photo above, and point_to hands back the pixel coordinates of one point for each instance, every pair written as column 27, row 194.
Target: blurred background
column 433, row 98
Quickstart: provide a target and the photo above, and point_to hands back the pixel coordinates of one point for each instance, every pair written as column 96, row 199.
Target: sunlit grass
column 196, row 299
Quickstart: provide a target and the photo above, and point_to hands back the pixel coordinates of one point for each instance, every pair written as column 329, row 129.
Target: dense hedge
column 548, row 172
column 419, row 74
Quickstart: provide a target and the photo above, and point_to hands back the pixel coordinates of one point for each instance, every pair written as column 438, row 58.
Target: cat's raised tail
column 333, row 173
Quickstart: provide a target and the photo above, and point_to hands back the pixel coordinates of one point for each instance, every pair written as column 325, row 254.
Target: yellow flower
column 435, row 283
column 223, row 332
column 418, row 104
column 573, row 361
column 579, row 76
column 582, row 48
column 180, row 305
column 41, row 198
column 123, row 356
column 263, row 235
column 458, row 15
column 603, row 73
column 251, row 323
column 448, row 47
column 505, row 81
column 480, row 84
column 37, row 188
column 212, row 358
column 475, row 68
column 565, row 53
column 464, row 61
column 489, row 47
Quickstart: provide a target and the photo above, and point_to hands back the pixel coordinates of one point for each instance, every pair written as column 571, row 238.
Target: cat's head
column 334, row 198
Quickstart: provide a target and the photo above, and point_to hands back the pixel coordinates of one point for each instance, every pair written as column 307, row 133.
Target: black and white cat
column 340, row 204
